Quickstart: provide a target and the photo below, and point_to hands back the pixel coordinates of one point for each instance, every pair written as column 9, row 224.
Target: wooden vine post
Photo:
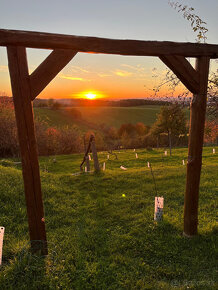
column 86, row 156
column 94, row 154
column 196, row 135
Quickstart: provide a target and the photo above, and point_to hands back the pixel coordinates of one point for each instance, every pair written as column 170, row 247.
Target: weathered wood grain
column 48, row 69
column 105, row 45
column 196, row 134
column 94, row 154
column 183, row 70
column 26, row 134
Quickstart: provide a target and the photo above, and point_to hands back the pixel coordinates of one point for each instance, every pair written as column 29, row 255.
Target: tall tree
column 172, row 121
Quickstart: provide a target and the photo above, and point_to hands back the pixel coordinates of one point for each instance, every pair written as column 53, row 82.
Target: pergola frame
column 25, row 89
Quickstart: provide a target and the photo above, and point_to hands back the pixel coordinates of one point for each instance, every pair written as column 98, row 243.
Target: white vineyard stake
column 133, row 150
column 183, row 162
column 2, row 230
column 108, row 156
column 85, row 169
column 136, row 155
column 214, row 151
column 104, row 166
column 158, row 208
column 148, row 165
column 90, row 158
column 122, row 167
column 165, row 153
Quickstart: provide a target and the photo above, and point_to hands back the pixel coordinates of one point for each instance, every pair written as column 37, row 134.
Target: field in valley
column 100, row 228
column 92, row 117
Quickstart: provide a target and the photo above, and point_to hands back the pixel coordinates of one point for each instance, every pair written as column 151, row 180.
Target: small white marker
column 133, row 150
column 158, row 208
column 85, row 169
column 90, row 157
column 214, row 151
column 104, row 166
column 2, row 230
column 148, row 164
column 122, row 167
column 183, row 162
column 108, row 156
column 136, row 155
column 165, row 153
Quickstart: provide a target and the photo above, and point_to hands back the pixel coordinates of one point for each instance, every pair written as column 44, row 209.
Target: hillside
column 100, row 227
column 92, row 117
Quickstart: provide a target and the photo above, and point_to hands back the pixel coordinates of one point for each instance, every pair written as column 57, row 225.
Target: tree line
column 170, row 129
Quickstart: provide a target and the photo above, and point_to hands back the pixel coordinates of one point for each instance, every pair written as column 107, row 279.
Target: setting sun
column 90, row 95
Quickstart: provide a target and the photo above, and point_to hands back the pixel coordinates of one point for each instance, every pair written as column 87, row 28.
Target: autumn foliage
column 50, row 140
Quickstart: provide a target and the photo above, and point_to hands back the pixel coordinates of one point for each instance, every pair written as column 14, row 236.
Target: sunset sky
column 110, row 76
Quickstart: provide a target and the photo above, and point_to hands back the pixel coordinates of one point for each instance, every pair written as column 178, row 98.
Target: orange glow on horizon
column 90, row 95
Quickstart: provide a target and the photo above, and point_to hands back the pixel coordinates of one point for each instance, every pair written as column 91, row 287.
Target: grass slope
column 93, row 116
column 100, row 239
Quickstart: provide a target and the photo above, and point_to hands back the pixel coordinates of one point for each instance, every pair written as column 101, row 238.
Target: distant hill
column 100, row 102
column 93, row 117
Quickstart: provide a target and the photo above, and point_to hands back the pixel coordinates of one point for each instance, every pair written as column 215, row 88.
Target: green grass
column 93, row 116
column 116, row 116
column 99, row 239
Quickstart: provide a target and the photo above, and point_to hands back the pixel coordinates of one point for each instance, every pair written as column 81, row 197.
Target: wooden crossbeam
column 48, row 69
column 105, row 45
column 183, row 70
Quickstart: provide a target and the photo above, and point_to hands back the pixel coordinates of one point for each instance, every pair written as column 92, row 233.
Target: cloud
column 123, row 73
column 102, row 75
column 73, row 78
column 77, row 68
column 3, row 68
column 138, row 68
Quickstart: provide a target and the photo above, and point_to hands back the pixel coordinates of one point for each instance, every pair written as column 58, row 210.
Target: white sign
column 214, row 151
column 90, row 157
column 165, row 153
column 104, row 166
column 148, row 164
column 122, row 167
column 158, row 208
column 2, row 230
column 183, row 162
column 108, row 156
column 136, row 155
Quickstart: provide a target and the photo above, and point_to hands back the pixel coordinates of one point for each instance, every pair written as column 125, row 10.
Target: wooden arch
column 25, row 89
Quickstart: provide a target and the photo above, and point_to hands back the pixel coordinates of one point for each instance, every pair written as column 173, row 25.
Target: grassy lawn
column 100, row 228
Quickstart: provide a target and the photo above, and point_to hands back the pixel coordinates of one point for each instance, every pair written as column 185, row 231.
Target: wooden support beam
column 48, row 69
column 183, row 70
column 196, row 134
column 94, row 154
column 105, row 45
column 26, row 134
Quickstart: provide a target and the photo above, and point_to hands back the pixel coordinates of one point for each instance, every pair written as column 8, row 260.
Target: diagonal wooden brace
column 48, row 69
column 183, row 70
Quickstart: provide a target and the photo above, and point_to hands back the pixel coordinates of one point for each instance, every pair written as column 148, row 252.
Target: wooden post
column 20, row 83
column 196, row 134
column 94, row 153
column 86, row 157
